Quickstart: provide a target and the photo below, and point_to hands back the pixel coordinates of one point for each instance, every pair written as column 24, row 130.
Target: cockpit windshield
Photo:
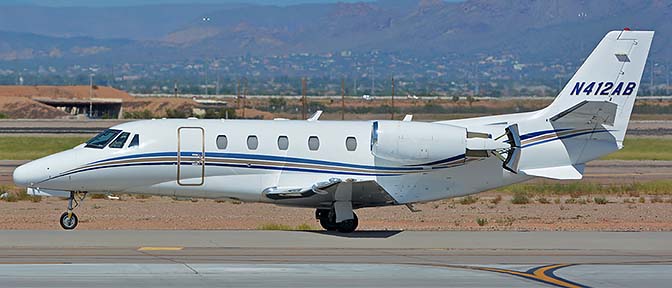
column 102, row 139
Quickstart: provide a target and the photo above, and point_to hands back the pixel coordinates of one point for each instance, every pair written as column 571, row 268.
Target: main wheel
column 69, row 223
column 326, row 218
column 348, row 226
column 328, row 225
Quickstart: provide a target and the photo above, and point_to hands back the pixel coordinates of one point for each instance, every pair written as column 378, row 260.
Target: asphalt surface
column 315, row 258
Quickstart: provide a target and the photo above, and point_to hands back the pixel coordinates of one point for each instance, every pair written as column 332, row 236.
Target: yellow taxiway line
column 160, row 248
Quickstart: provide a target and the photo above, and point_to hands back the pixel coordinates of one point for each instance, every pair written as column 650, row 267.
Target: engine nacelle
column 418, row 143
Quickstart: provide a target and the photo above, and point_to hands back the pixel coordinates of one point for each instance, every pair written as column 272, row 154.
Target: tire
column 328, row 225
column 69, row 224
column 348, row 226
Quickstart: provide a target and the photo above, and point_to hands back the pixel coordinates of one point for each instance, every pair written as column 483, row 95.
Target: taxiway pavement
column 315, row 258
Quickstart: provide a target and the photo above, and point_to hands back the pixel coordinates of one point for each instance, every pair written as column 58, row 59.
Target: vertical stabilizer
column 611, row 74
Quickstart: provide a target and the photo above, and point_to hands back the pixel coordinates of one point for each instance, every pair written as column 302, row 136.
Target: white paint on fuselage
column 247, row 182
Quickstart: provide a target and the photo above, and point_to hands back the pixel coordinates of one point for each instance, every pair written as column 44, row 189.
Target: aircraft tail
column 604, row 88
column 590, row 115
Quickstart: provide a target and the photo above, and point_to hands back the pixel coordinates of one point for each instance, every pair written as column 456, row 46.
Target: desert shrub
column 496, row 200
column 600, row 200
column 520, row 198
column 482, row 221
column 544, row 200
column 468, row 200
column 274, row 226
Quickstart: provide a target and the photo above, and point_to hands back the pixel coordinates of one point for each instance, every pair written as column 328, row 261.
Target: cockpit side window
column 120, row 141
column 135, row 142
column 100, row 140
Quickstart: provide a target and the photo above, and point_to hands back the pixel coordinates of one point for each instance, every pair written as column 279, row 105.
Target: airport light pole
column 303, row 98
column 90, row 95
column 244, row 94
column 392, row 98
column 342, row 98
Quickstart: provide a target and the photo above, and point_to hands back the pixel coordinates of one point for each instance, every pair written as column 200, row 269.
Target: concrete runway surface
column 321, row 259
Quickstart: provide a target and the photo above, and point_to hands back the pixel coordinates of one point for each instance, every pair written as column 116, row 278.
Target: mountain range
column 533, row 29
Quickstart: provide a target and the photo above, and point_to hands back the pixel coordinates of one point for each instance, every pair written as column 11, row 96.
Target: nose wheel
column 68, row 219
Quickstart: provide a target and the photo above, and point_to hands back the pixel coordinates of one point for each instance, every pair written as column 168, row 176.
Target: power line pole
column 244, row 95
column 303, row 98
column 238, row 94
column 392, row 97
column 91, row 95
column 342, row 98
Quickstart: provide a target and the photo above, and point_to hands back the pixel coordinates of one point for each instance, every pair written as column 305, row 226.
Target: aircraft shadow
column 359, row 234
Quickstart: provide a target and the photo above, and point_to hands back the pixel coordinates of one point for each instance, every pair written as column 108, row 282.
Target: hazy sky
column 103, row 3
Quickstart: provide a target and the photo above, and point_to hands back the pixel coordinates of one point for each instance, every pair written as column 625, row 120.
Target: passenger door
column 190, row 156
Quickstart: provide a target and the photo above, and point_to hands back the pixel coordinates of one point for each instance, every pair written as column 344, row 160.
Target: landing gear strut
column 327, row 219
column 69, row 219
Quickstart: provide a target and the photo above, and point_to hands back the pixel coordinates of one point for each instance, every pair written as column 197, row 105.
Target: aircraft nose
column 26, row 175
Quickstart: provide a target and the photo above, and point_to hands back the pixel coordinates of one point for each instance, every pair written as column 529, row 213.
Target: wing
column 360, row 193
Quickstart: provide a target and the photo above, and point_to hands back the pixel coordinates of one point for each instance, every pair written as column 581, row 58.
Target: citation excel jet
column 336, row 167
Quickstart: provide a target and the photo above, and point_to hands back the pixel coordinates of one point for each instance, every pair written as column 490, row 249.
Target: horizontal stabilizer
column 589, row 113
column 569, row 172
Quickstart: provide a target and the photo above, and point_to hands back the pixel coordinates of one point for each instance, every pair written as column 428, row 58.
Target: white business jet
column 336, row 167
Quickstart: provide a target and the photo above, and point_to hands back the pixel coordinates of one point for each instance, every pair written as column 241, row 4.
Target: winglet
column 408, row 118
column 315, row 116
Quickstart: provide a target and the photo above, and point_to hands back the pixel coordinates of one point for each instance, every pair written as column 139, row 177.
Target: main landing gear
column 69, row 219
column 327, row 219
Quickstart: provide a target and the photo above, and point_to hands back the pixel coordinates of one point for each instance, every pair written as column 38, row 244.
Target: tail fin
column 610, row 75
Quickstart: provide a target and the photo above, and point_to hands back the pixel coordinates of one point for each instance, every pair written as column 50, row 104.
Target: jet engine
column 426, row 144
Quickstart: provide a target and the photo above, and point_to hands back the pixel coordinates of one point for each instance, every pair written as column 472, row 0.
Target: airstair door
column 190, row 156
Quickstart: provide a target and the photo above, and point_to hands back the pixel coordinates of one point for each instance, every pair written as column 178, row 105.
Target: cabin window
column 120, row 141
column 222, row 142
column 135, row 142
column 283, row 143
column 313, row 143
column 101, row 140
column 351, row 143
column 252, row 142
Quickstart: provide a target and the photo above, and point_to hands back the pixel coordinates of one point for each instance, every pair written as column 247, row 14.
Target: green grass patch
column 577, row 189
column 10, row 194
column 283, row 227
column 32, row 147
column 641, row 148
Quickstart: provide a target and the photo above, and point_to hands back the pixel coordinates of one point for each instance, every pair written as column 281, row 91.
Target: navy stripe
column 564, row 137
column 156, row 154
column 304, row 161
column 543, row 132
column 265, row 167
column 440, row 161
column 297, row 169
column 279, row 159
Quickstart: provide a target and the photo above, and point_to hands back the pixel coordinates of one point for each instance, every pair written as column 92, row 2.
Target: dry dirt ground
column 166, row 213
column 621, row 213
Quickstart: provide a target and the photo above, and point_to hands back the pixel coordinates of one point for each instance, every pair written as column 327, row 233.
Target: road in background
column 58, row 126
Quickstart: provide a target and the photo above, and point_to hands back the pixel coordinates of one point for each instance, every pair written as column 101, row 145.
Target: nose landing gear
column 69, row 219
